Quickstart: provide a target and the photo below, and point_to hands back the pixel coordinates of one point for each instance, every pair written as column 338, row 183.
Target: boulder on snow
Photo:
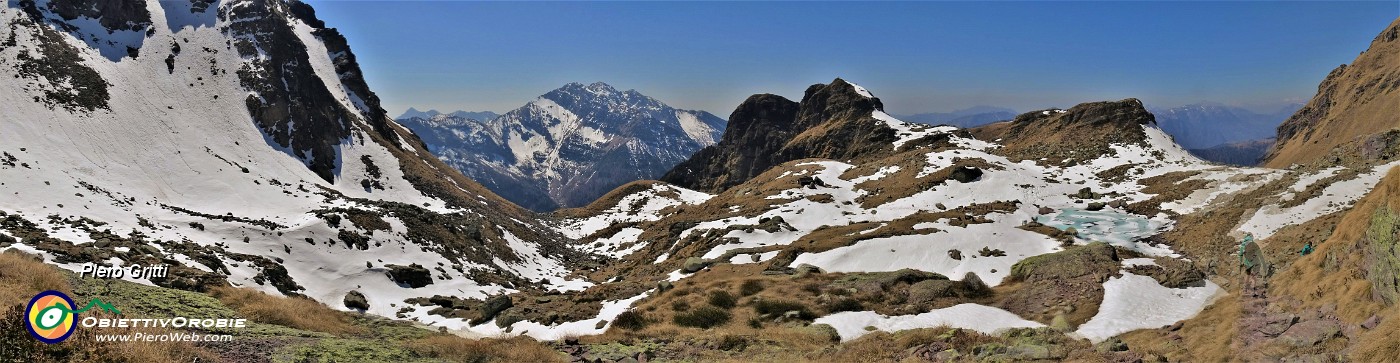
column 413, row 276
column 966, row 174
column 356, row 300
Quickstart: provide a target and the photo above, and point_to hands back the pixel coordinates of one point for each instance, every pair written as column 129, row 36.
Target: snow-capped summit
column 237, row 142
column 570, row 145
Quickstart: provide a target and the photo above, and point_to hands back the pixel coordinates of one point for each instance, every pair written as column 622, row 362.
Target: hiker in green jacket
column 1249, row 266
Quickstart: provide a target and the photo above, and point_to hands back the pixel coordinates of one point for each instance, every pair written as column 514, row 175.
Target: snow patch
column 982, row 318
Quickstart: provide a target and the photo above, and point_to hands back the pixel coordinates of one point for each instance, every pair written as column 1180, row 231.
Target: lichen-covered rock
column 492, row 306
column 694, row 264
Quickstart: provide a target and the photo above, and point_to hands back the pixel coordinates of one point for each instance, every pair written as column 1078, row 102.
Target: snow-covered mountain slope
column 237, row 141
column 989, row 208
column 571, row 145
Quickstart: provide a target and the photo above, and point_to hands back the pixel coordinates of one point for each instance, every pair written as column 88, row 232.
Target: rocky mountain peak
column 836, row 100
column 1351, row 119
column 837, row 120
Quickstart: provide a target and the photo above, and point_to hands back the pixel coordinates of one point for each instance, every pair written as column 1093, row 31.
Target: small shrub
column 722, row 299
column 1383, row 262
column 750, row 287
column 814, row 287
column 730, row 343
column 778, row 308
column 844, row 304
column 755, row 323
column 450, row 348
column 630, row 320
column 703, row 317
column 680, row 305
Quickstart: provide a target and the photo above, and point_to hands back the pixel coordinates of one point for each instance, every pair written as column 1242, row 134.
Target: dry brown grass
column 295, row 312
column 456, row 349
column 1334, row 273
column 23, row 275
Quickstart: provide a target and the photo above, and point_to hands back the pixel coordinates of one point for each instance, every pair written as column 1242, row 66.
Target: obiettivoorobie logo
column 51, row 318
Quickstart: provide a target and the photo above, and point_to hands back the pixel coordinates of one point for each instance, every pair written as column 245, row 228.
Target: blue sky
column 915, row 56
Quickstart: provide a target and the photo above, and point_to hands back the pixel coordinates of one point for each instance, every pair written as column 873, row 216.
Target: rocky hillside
column 839, row 120
column 1086, row 225
column 571, row 145
column 238, row 142
column 1351, row 120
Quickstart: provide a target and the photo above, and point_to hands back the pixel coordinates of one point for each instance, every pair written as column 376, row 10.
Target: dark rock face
column 413, row 276
column 348, row 69
column 292, row 106
column 112, row 14
column 59, row 77
column 833, row 121
column 757, row 129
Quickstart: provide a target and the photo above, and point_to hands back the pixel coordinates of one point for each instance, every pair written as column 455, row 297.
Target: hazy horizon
column 918, row 57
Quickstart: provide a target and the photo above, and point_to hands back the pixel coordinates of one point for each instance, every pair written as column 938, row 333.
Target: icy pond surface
column 1109, row 226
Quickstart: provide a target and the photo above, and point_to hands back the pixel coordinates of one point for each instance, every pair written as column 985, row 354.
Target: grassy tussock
column 456, row 349
column 23, row 275
column 292, row 312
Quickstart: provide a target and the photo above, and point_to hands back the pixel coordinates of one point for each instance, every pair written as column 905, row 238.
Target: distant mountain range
column 413, row 112
column 569, row 146
column 1242, row 153
column 1205, row 125
column 964, row 118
